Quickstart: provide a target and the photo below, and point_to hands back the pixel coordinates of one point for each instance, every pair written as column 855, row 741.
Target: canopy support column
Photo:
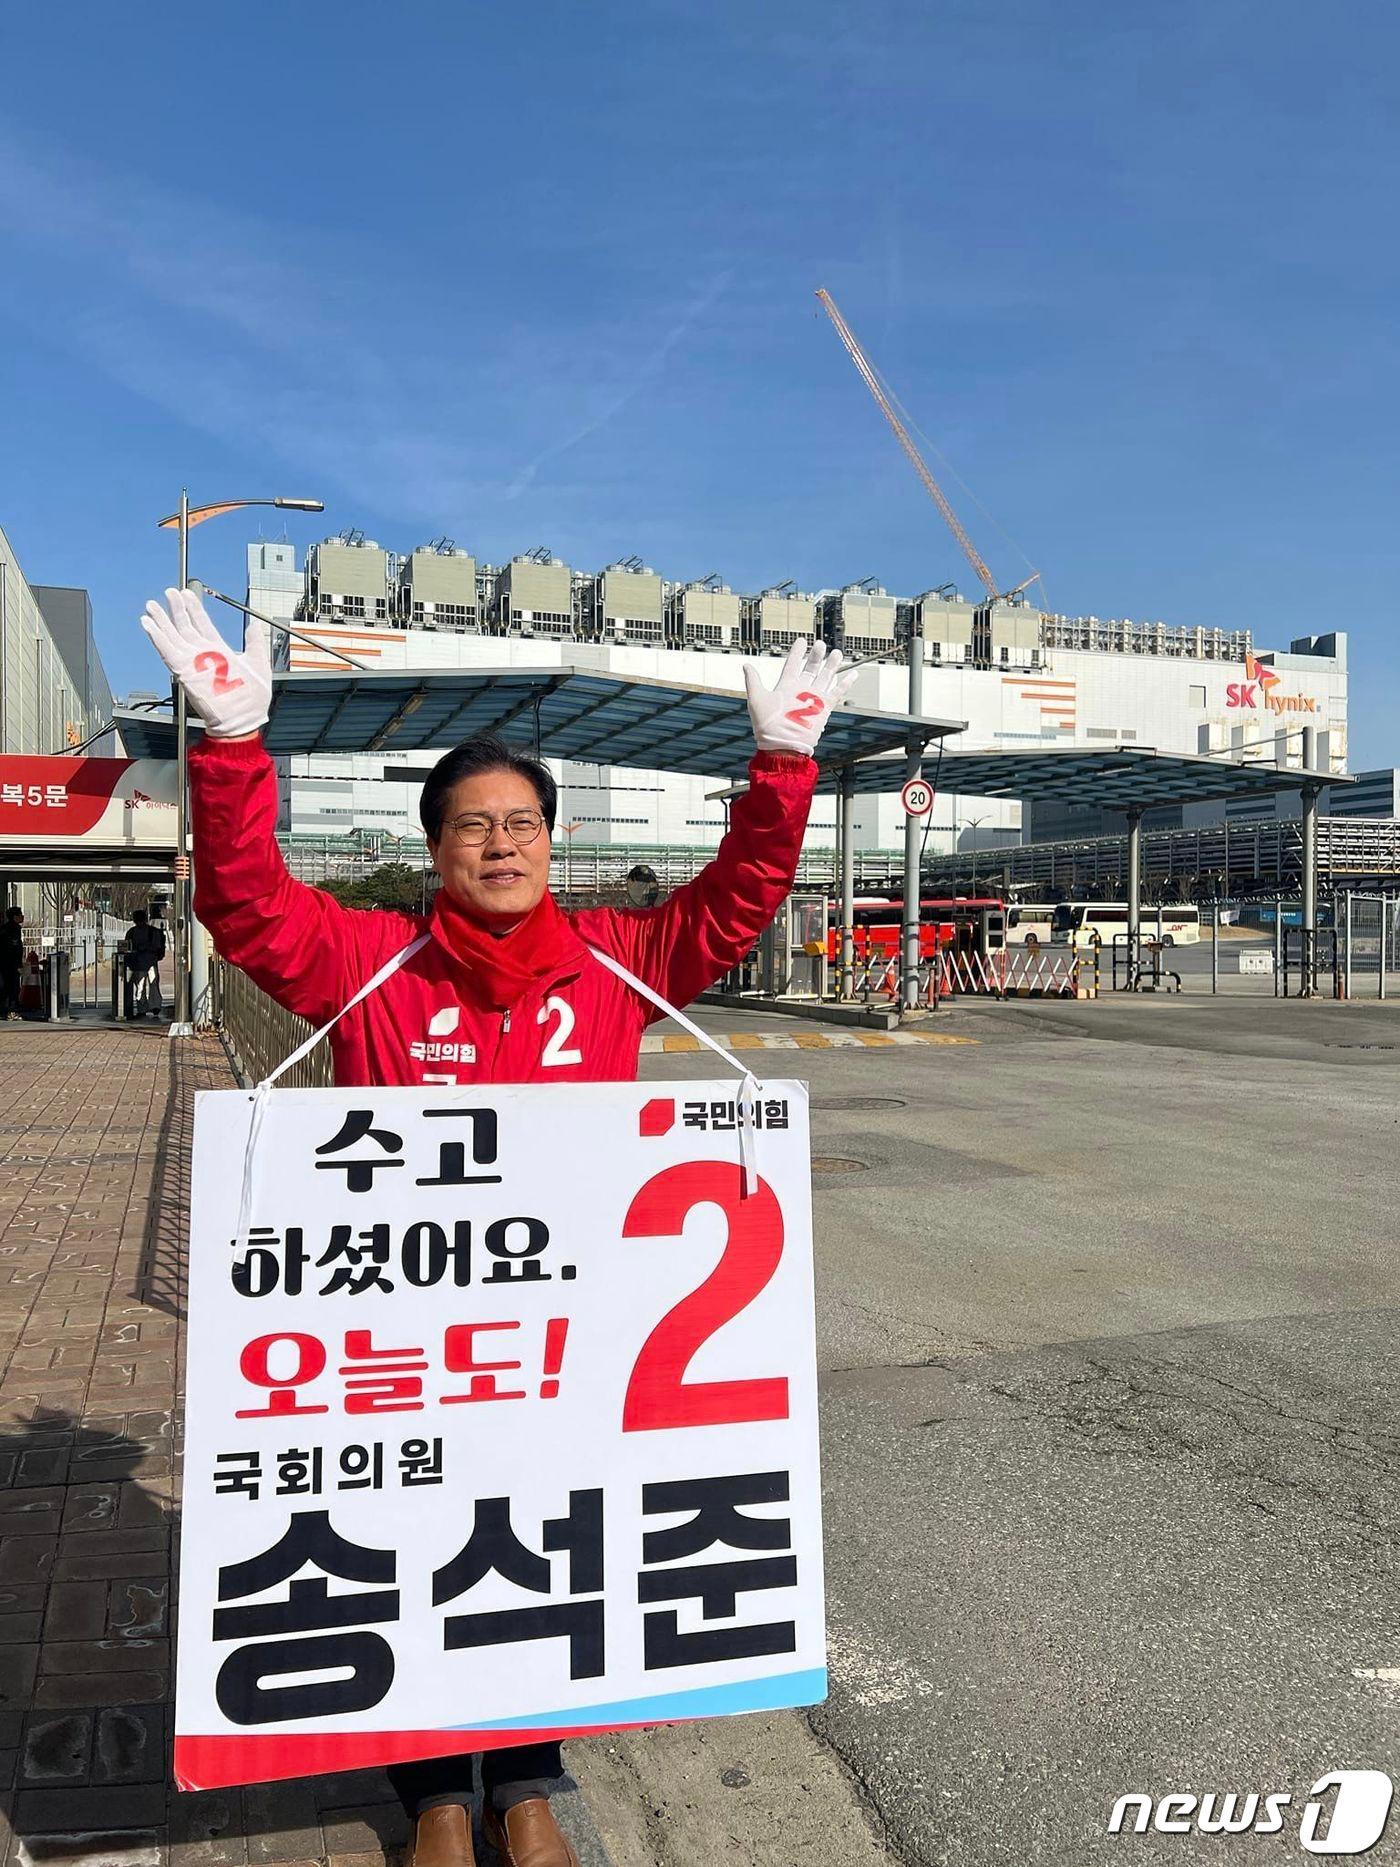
column 913, row 828
column 1311, row 793
column 1134, row 887
column 181, row 1025
column 846, row 819
column 199, row 972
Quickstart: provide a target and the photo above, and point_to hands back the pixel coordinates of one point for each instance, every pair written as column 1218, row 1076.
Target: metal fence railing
column 580, row 868
column 260, row 1033
column 1249, row 859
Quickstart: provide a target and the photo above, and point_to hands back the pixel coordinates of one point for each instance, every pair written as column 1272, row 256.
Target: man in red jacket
column 500, row 986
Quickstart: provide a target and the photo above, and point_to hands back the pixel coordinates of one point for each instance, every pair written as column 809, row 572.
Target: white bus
column 1077, row 922
column 1029, row 923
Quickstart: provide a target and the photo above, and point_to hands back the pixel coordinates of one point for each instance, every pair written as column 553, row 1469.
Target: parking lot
column 1107, row 1306
column 1106, row 1328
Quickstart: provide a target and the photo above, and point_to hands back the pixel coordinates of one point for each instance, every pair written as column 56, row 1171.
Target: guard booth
column 792, row 950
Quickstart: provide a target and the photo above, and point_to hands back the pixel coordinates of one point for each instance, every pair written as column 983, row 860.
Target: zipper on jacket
column 505, row 1023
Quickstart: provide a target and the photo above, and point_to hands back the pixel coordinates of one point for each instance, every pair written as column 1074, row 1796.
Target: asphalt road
column 1107, row 1324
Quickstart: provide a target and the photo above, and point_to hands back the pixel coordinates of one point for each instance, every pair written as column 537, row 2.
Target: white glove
column 789, row 716
column 231, row 692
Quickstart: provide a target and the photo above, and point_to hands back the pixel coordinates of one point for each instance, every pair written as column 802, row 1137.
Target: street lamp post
column 181, row 521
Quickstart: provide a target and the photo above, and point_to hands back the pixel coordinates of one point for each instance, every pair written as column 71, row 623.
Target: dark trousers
column 9, row 989
column 507, row 1777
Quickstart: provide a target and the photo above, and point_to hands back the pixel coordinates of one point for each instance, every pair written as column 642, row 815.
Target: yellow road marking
column 673, row 1043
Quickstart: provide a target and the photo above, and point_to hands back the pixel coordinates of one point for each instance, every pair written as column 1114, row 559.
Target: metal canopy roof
column 51, row 862
column 576, row 713
column 1120, row 778
column 145, row 734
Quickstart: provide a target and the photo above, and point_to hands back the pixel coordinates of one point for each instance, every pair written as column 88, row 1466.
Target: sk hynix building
column 1018, row 677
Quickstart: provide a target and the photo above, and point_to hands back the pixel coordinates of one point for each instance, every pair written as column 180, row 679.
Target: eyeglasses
column 521, row 826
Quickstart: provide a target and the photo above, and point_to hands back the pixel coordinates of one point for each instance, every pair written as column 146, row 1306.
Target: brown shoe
column 528, row 1836
column 442, row 1838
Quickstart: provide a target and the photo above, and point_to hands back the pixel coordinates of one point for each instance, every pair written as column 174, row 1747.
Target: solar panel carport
column 574, row 711
column 1127, row 778
column 569, row 712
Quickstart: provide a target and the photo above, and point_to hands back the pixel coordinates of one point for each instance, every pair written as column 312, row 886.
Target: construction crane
column 931, row 486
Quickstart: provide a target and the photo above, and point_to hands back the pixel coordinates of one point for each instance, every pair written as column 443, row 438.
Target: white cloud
column 275, row 340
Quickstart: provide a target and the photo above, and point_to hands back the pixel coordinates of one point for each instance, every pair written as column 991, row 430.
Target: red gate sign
column 112, row 803
column 501, row 1422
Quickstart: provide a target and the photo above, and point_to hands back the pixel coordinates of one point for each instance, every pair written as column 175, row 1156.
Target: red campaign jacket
column 430, row 1021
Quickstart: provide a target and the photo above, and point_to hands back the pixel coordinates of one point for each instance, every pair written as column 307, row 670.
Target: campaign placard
column 501, row 1421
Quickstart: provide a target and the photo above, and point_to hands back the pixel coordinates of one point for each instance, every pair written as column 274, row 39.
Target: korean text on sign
column 501, row 1422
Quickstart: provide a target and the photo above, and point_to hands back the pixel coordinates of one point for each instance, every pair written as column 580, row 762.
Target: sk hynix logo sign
column 1261, row 681
column 1345, row 1813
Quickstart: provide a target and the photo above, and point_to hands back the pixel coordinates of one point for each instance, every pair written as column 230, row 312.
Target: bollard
column 1215, row 948
column 1280, row 977
column 1384, row 942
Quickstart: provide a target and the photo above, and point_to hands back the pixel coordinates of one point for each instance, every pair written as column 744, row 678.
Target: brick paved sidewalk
column 94, row 1133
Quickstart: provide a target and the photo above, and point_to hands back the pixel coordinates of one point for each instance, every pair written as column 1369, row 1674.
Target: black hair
column 11, row 912
column 138, row 915
column 486, row 752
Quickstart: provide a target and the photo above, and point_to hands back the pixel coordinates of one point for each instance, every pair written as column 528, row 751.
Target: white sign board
column 917, row 797
column 1256, row 959
column 501, row 1422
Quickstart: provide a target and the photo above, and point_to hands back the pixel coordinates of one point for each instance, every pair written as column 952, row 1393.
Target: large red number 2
column 813, row 708
column 221, row 683
column 658, row 1394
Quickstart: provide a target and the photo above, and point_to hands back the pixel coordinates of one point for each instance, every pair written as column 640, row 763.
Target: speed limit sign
column 917, row 797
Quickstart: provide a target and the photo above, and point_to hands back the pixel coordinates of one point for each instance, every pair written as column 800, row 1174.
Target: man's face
column 501, row 879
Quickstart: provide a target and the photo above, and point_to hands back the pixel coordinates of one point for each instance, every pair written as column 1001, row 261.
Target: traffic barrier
column 1014, row 972
column 877, row 976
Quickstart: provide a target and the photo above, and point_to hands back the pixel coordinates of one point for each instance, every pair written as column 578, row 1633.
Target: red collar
column 503, row 970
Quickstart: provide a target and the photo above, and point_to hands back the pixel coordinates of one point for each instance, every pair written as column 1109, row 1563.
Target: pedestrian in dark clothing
column 11, row 961
column 143, row 950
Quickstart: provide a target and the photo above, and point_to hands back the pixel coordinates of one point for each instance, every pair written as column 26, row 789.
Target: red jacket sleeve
column 688, row 943
column 299, row 945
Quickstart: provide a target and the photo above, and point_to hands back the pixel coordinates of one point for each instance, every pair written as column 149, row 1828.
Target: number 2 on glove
column 221, row 684
column 658, row 1395
column 813, row 709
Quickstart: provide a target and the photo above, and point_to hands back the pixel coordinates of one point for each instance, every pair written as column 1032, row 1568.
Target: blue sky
column 543, row 275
